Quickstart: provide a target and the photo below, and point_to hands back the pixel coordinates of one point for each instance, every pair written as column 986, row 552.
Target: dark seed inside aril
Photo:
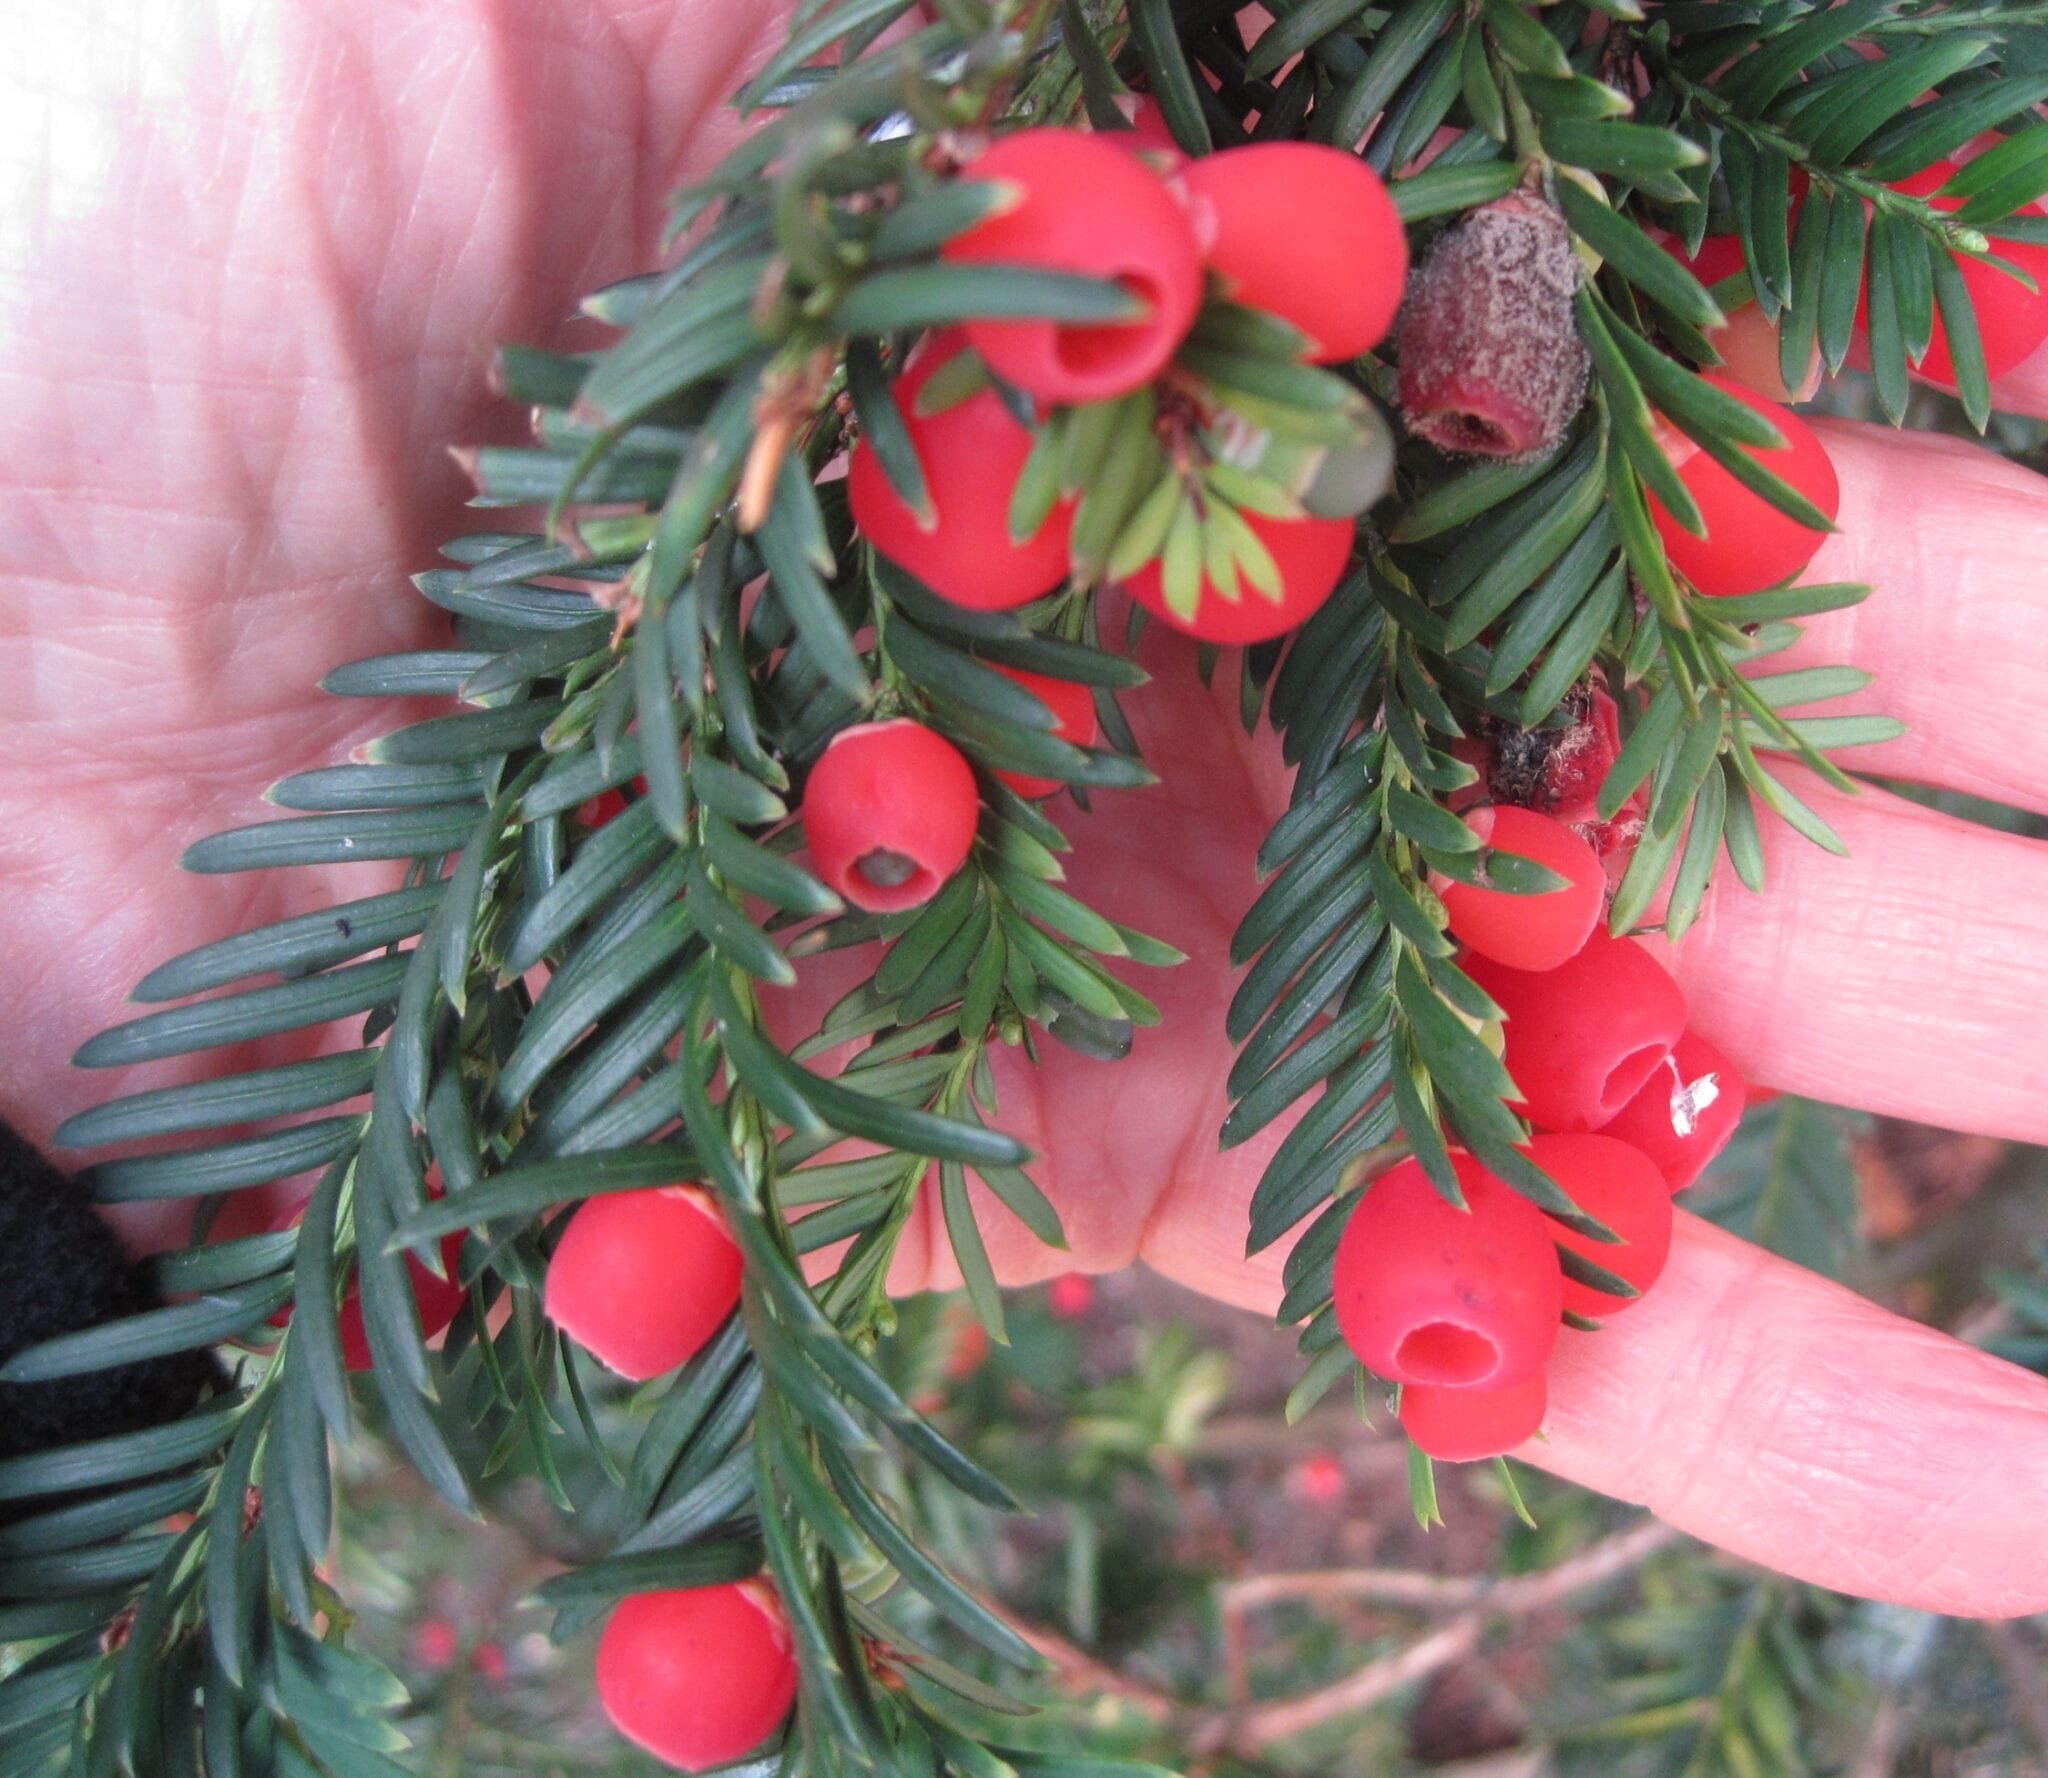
column 886, row 869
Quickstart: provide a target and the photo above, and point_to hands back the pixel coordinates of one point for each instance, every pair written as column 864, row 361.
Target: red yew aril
column 1074, row 719
column 1428, row 1293
column 1747, row 342
column 1311, row 555
column 1305, row 232
column 1533, row 932
column 606, row 806
column 609, row 805
column 644, row 1278
column 1149, row 135
column 1071, row 1295
column 1466, row 1425
column 889, row 814
column 1087, row 206
column 1148, row 122
column 439, row 1300
column 435, row 1644
column 1318, row 1479
column 972, row 452
column 1620, row 1186
column 1581, row 1039
column 2012, row 321
column 698, row 1676
column 1686, row 1111
column 1750, row 544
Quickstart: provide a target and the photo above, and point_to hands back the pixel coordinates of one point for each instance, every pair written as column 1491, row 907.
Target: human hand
column 252, row 263
column 249, row 311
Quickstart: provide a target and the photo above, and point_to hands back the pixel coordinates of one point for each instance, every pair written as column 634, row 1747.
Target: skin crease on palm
column 251, row 260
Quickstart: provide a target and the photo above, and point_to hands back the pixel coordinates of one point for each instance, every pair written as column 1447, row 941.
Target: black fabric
column 61, row 1269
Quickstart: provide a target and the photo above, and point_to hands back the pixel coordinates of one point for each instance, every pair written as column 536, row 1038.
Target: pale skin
column 251, row 259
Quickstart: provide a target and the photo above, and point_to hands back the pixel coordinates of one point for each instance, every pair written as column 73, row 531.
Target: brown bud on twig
column 1491, row 360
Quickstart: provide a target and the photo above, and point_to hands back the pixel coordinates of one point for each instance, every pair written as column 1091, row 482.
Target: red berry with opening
column 1581, row 1039
column 889, row 814
column 1686, row 1111
column 1082, row 204
column 1428, row 1293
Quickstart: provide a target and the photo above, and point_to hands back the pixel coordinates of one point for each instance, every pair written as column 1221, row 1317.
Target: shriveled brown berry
column 1491, row 360
column 1558, row 768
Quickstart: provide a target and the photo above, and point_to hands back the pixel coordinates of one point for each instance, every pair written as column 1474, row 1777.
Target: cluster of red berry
column 890, row 809
column 1082, row 203
column 2012, row 320
column 1462, row 1308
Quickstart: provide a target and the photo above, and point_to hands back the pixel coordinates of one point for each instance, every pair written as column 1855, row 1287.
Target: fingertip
column 1787, row 1420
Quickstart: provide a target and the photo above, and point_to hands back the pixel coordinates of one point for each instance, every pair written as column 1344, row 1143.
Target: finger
column 2025, row 390
column 1787, row 1420
column 1782, row 1418
column 1951, row 537
column 237, row 337
column 1903, row 979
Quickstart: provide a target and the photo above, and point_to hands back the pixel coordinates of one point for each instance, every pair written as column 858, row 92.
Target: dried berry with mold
column 1491, row 360
column 1557, row 769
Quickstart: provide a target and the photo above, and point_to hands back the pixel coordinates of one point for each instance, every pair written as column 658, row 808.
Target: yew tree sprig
column 564, row 999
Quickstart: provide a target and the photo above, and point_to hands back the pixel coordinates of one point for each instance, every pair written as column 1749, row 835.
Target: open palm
column 248, row 273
